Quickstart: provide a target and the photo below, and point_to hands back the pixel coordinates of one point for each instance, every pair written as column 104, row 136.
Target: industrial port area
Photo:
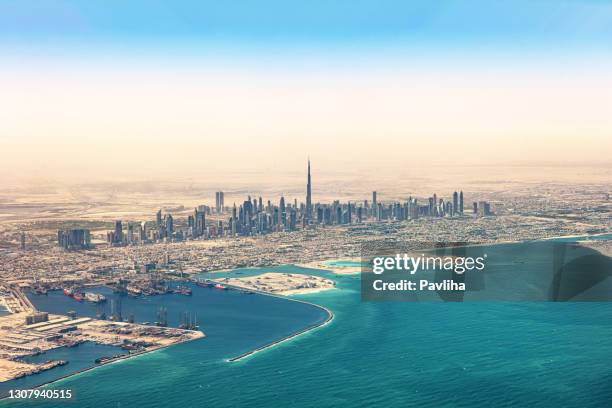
column 26, row 332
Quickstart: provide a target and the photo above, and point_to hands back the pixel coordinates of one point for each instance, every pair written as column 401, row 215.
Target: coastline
column 330, row 317
column 336, row 270
column 278, row 283
column 106, row 362
column 242, row 356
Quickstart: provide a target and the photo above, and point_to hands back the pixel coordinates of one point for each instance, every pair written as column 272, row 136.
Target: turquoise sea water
column 343, row 264
column 79, row 358
column 377, row 354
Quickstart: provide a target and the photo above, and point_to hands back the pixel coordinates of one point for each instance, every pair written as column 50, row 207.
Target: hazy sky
column 106, row 89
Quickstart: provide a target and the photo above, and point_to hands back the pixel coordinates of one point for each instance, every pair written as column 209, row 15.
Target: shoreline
column 330, row 317
column 110, row 361
column 244, row 284
column 242, row 356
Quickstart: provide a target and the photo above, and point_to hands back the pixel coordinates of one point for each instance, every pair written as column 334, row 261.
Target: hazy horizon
column 197, row 89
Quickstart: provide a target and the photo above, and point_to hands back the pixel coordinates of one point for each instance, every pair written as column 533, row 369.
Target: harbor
column 214, row 307
column 29, row 336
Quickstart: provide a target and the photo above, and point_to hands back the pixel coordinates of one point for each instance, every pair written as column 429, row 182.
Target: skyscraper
column 199, row 226
column 374, row 204
column 219, row 202
column 282, row 212
column 118, row 234
column 308, row 194
column 169, row 226
column 130, row 233
column 455, row 203
column 461, row 202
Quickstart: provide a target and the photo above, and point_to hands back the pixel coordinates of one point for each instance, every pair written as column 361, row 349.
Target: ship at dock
column 133, row 290
column 74, row 293
column 204, row 284
column 94, row 297
column 182, row 290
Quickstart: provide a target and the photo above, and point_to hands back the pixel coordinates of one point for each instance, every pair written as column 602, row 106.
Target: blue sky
column 489, row 81
column 533, row 24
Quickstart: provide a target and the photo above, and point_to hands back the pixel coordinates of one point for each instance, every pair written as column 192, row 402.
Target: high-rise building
column 455, row 203
column 143, row 231
column 219, row 202
column 130, row 233
column 199, row 223
column 292, row 219
column 23, row 241
column 169, row 226
column 282, row 212
column 374, row 205
column 461, row 202
column 308, row 195
column 74, row 239
column 484, row 208
column 118, row 233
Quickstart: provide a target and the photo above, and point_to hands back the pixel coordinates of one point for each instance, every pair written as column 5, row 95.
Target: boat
column 134, row 291
column 68, row 292
column 78, row 297
column 220, row 286
column 106, row 359
column 94, row 297
column 182, row 290
column 205, row 284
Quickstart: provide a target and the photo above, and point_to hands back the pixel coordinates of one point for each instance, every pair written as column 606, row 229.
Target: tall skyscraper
column 169, row 226
column 143, row 231
column 455, row 203
column 434, row 207
column 374, row 205
column 118, row 234
column 199, row 220
column 308, row 194
column 130, row 233
column 219, row 202
column 461, row 202
column 282, row 212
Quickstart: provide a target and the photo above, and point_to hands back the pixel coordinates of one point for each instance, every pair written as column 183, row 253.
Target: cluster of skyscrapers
column 253, row 217
column 74, row 239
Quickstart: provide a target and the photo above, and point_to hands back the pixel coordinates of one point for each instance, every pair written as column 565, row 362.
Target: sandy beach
column 335, row 266
column 282, row 283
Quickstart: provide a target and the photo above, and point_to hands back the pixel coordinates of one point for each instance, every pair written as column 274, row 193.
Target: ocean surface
column 371, row 354
column 79, row 358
